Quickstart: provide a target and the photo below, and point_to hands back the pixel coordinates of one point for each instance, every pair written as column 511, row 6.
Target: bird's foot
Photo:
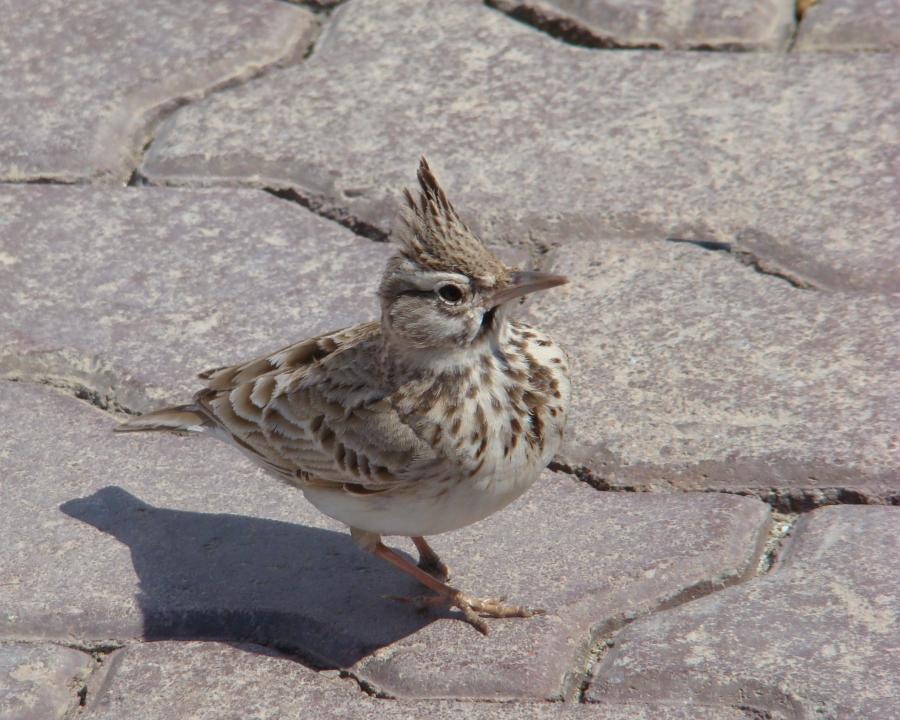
column 473, row 609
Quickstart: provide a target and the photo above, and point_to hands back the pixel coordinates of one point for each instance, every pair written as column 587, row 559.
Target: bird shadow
column 305, row 590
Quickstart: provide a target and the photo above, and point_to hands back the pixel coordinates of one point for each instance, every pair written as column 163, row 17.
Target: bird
column 432, row 418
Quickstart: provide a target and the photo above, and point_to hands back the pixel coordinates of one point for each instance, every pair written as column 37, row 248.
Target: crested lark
column 435, row 417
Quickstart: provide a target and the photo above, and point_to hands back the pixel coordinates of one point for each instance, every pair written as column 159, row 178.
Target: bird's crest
column 434, row 236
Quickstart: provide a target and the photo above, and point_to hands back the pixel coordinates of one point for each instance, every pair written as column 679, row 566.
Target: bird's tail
column 178, row 419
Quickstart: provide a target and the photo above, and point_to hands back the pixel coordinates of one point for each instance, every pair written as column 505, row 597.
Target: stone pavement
column 186, row 184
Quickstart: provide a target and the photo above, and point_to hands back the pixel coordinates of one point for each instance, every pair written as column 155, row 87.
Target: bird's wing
column 317, row 413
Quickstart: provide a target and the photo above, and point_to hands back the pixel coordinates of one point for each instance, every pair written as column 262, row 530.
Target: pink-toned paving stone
column 854, row 25
column 694, row 371
column 84, row 81
column 818, row 637
column 40, row 681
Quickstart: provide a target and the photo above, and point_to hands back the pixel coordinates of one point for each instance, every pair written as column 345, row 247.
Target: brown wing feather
column 292, row 357
column 312, row 413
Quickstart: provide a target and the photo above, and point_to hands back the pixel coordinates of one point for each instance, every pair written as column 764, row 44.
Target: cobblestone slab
column 162, row 538
column 697, row 372
column 592, row 560
column 679, row 25
column 83, row 81
column 40, row 682
column 850, row 25
column 783, row 156
column 131, row 292
column 210, row 681
column 819, row 637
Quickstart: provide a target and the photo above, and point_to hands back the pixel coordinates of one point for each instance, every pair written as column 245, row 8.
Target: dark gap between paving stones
column 800, row 8
column 103, row 395
column 602, row 638
column 749, row 258
column 564, row 29
column 295, row 55
column 339, row 215
column 572, row 32
column 786, row 501
column 782, row 525
column 320, row 7
column 44, row 180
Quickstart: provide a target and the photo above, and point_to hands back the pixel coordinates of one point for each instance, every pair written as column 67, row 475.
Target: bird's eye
column 450, row 293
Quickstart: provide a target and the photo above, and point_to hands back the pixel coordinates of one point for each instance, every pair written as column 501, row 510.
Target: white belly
column 425, row 511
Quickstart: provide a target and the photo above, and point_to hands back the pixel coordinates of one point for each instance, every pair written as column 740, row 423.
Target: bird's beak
column 524, row 282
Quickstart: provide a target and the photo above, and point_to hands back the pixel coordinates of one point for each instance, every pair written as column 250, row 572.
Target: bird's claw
column 472, row 608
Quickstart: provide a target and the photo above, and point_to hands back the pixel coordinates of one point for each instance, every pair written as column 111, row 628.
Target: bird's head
column 444, row 290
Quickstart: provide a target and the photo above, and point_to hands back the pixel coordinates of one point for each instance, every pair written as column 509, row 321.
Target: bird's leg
column 447, row 595
column 429, row 560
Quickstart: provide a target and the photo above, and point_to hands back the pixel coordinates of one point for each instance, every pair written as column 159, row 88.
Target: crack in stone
column 784, row 500
column 800, row 8
column 89, row 379
column 320, row 7
column 586, row 475
column 563, row 28
column 779, row 532
column 576, row 685
column 748, row 258
column 44, row 180
column 365, row 686
column 98, row 649
column 79, row 391
column 603, row 636
column 571, row 31
column 297, row 52
column 79, row 687
column 321, row 207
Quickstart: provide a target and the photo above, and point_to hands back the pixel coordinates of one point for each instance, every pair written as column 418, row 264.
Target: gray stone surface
column 84, row 81
column 216, row 681
column 173, row 282
column 542, row 142
column 672, row 25
column 165, row 538
column 212, row 681
column 694, row 371
column 40, row 682
column 593, row 560
column 842, row 25
column 818, row 637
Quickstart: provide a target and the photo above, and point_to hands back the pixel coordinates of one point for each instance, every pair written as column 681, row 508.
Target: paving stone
column 84, row 81
column 694, row 371
column 680, row 25
column 850, row 25
column 542, row 142
column 818, row 637
column 219, row 682
column 131, row 292
column 203, row 680
column 163, row 538
column 603, row 558
column 40, row 682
